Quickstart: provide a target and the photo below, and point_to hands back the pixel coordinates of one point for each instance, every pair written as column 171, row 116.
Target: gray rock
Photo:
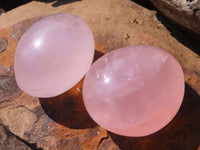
column 183, row 12
column 9, row 141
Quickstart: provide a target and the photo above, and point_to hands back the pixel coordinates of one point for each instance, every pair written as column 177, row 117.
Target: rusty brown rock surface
column 184, row 12
column 62, row 122
column 55, row 123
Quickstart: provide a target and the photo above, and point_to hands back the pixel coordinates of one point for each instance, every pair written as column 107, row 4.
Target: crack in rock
column 3, row 44
column 102, row 139
column 33, row 146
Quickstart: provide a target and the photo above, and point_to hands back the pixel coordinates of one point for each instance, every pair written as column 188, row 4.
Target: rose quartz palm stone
column 134, row 91
column 53, row 55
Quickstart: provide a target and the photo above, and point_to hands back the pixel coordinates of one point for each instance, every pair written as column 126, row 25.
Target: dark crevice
column 7, row 5
column 147, row 4
column 102, row 139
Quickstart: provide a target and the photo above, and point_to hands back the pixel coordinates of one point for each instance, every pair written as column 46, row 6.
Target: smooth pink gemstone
column 53, row 55
column 134, row 91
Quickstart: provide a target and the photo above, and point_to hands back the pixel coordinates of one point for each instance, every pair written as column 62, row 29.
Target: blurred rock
column 2, row 11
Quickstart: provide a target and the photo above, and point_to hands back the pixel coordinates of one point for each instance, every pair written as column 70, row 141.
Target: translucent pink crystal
column 134, row 91
column 53, row 55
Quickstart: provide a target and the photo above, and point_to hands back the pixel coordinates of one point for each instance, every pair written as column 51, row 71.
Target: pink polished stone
column 53, row 55
column 134, row 91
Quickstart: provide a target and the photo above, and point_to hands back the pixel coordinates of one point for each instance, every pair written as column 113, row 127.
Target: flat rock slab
column 62, row 122
column 10, row 142
column 184, row 12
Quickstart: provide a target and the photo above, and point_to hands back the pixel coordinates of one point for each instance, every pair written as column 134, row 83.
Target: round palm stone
column 134, row 91
column 53, row 55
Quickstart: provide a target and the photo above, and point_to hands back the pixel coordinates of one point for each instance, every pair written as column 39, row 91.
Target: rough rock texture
column 3, row 44
column 184, row 12
column 62, row 122
column 10, row 142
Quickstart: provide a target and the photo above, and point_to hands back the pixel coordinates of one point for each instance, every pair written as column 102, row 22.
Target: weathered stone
column 8, row 86
column 184, row 12
column 62, row 122
column 20, row 28
column 18, row 119
column 9, row 141
column 3, row 44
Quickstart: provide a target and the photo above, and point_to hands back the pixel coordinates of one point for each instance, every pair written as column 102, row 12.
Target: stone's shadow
column 97, row 55
column 182, row 133
column 11, row 4
column 58, row 2
column 146, row 3
column 68, row 108
column 63, row 2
